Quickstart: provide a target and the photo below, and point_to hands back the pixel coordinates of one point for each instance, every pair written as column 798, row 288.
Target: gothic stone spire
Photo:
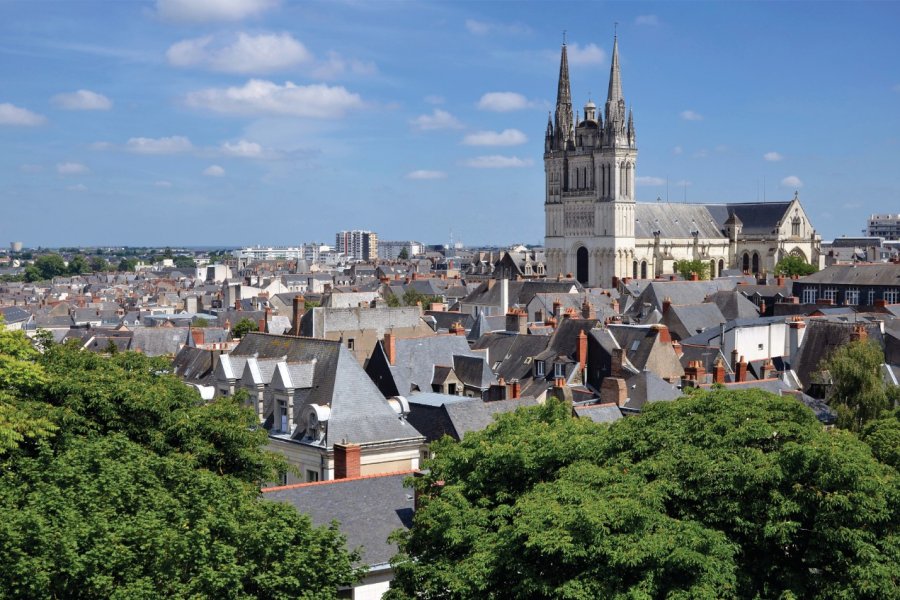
column 564, row 119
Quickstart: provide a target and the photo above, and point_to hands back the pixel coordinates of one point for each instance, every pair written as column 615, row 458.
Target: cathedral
column 597, row 231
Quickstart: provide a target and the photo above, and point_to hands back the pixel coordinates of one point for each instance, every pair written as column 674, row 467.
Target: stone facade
column 596, row 231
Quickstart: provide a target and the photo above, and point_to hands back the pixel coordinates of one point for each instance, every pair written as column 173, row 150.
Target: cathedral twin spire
column 619, row 128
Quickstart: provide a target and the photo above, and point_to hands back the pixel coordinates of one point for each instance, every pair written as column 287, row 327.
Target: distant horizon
column 267, row 121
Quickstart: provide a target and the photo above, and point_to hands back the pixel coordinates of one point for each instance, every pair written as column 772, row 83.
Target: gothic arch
column 634, row 269
column 799, row 254
column 582, row 265
column 745, row 266
column 721, row 266
column 643, row 269
column 755, row 268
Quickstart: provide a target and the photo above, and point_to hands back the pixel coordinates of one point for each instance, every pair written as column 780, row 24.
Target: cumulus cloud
column 11, row 114
column 689, row 115
column 497, row 161
column 772, row 156
column 78, row 187
column 245, row 53
column 646, row 180
column 647, row 20
column 591, row 54
column 259, row 96
column 434, row 99
column 507, row 137
column 163, row 145
column 82, row 100
column 503, row 101
column 243, row 149
column 211, row 10
column 424, row 174
column 71, row 168
column 162, row 183
column 792, row 181
column 214, row 171
column 439, row 119
column 336, row 65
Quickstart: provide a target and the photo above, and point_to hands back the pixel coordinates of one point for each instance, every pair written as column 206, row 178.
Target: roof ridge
column 330, row 481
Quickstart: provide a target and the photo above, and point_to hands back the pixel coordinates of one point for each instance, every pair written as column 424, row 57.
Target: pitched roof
column 674, row 220
column 878, row 274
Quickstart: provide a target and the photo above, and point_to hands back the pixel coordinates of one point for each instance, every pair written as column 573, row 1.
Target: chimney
column 695, row 277
column 719, row 371
column 457, row 328
column 762, row 307
column 582, row 349
column 346, row 461
column 515, row 388
column 734, row 360
column 299, row 307
column 613, row 390
column 741, row 370
column 559, row 382
column 438, row 307
column 662, row 332
column 767, row 369
column 695, row 372
column 859, row 333
column 261, row 325
column 667, row 304
column 615, row 305
column 390, row 347
column 237, row 303
column 796, row 333
column 618, row 360
column 779, row 281
column 551, row 321
column 516, row 321
column 557, row 308
column 199, row 337
column 504, row 295
column 676, row 346
column 587, row 310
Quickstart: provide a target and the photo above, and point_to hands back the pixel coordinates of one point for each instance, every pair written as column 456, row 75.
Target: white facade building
column 391, row 250
column 357, row 245
column 595, row 230
column 269, row 253
column 884, row 226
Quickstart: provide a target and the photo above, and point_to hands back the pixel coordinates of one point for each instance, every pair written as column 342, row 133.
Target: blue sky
column 263, row 121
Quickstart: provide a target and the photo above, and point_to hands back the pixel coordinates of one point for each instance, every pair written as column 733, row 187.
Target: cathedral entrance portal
column 581, row 265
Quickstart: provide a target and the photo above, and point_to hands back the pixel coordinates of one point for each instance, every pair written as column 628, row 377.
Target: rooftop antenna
column 616, row 29
column 564, row 37
column 667, row 188
column 764, row 189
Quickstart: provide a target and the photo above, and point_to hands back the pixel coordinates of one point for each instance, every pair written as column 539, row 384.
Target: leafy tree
column 687, row 267
column 47, row 266
column 117, row 482
column 404, row 254
column 411, row 297
column 883, row 436
column 127, row 264
column 723, row 494
column 200, row 322
column 78, row 265
column 393, row 301
column 792, row 265
column 185, row 262
column 243, row 327
column 858, row 393
column 168, row 253
column 99, row 264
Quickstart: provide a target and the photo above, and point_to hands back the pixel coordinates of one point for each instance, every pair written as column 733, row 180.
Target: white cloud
column 503, row 101
column 689, row 115
column 163, row 145
column 648, row 20
column 772, row 156
column 507, row 137
column 14, row 115
column 259, row 96
column 497, row 161
column 423, row 174
column 71, row 168
column 82, row 100
column 162, row 183
column 434, row 99
column 211, row 10
column 677, row 150
column 78, row 187
column 100, row 145
column 476, row 27
column 246, row 53
column 646, row 180
column 336, row 65
column 439, row 119
column 243, row 149
column 702, row 153
column 214, row 171
column 591, row 54
column 792, row 181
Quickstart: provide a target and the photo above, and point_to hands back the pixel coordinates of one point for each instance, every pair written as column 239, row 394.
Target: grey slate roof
column 734, row 305
column 886, row 274
column 416, row 358
column 674, row 220
column 599, row 413
column 159, row 341
column 368, row 510
column 686, row 321
column 758, row 218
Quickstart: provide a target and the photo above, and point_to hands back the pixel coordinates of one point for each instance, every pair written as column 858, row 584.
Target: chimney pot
column 390, row 347
column 346, row 461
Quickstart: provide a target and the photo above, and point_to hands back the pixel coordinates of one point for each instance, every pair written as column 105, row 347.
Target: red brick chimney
column 587, row 310
column 582, row 349
column 557, row 308
column 199, row 336
column 662, row 332
column 559, row 382
column 457, row 329
column 551, row 321
column 859, row 333
column 298, row 308
column 667, row 304
column 695, row 371
column 695, row 277
column 767, row 369
column 676, row 346
column 741, row 370
column 390, row 347
column 515, row 388
column 261, row 325
column 346, row 461
column 779, row 281
column 719, row 371
column 734, row 360
column 614, row 390
column 618, row 360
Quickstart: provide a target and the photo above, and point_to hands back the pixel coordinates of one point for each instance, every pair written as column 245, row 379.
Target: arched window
column 643, row 269
column 581, row 265
column 755, row 263
column 745, row 267
column 795, row 227
column 721, row 267
column 712, row 269
column 634, row 269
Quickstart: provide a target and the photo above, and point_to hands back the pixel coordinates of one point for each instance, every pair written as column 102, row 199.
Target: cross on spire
column 564, row 37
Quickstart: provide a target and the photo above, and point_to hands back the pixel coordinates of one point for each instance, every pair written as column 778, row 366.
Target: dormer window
column 539, row 368
column 559, row 370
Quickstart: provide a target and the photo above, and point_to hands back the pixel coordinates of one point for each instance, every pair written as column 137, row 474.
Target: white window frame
column 851, row 296
column 539, row 368
column 809, row 295
column 559, row 370
column 830, row 294
column 891, row 296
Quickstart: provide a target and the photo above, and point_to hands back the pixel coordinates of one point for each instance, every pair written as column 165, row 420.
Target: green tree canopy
column 404, row 254
column 99, row 264
column 127, row 264
column 118, row 482
column 722, row 494
column 243, row 327
column 858, row 392
column 185, row 262
column 687, row 267
column 411, row 297
column 46, row 266
column 792, row 265
column 78, row 265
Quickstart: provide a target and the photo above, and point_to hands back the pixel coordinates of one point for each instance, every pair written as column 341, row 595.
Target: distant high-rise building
column 884, row 226
column 391, row 250
column 357, row 245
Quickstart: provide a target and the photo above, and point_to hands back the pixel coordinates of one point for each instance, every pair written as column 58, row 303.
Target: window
column 871, row 301
column 830, row 294
column 809, row 296
column 795, row 227
column 312, row 475
column 282, row 479
column 891, row 296
column 351, row 343
column 851, row 297
column 559, row 370
column 451, row 389
column 539, row 368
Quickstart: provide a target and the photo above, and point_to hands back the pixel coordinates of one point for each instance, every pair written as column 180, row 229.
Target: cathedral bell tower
column 589, row 169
